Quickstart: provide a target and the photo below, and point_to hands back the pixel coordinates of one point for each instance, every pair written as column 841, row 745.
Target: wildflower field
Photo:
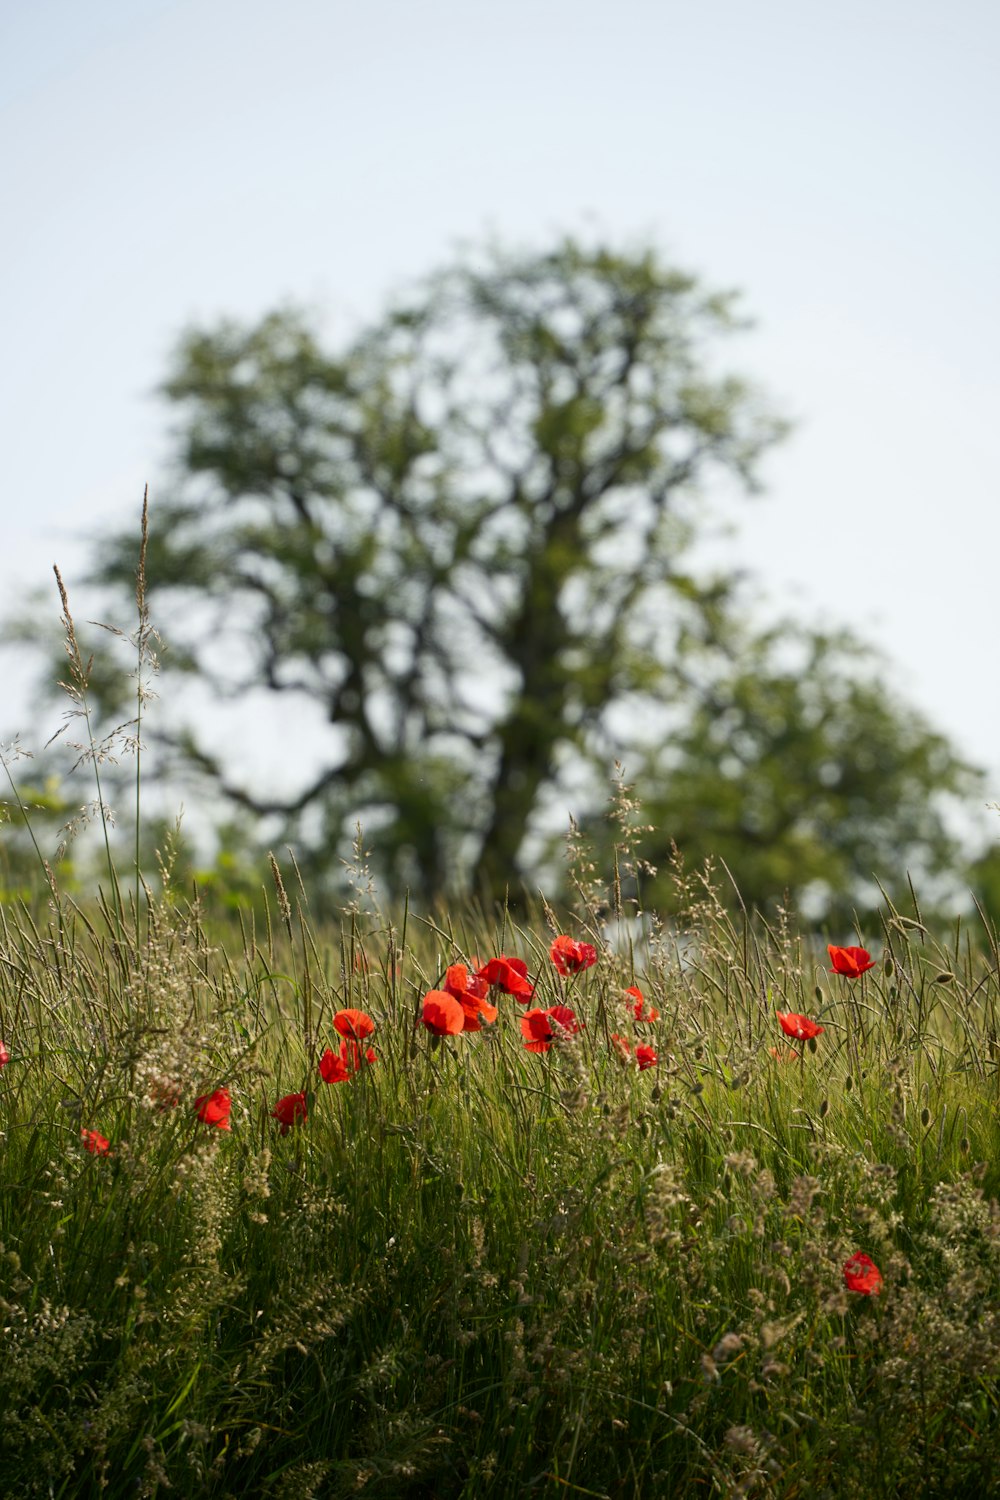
column 457, row 1207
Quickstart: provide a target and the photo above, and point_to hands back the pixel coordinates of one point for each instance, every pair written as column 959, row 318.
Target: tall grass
column 473, row 1270
column 477, row 1271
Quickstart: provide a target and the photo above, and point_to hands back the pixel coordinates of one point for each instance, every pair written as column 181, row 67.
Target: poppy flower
column 849, row 961
column 570, row 956
column 289, row 1111
column 442, row 1014
column 4, row 1056
column 353, row 1056
column 470, row 991
column 333, row 1067
column 97, row 1145
column 622, row 1046
column 637, row 1005
column 536, row 1028
column 861, row 1274
column 540, row 1028
column 214, row 1108
column 781, row 1056
column 644, row 1056
column 337, row 1067
column 509, row 975
column 353, row 1023
column 565, row 1019
column 798, row 1026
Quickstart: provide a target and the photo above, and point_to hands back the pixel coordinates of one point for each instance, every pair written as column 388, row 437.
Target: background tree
column 797, row 770
column 464, row 542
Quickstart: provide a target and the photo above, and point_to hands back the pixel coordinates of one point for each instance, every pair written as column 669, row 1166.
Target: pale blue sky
column 170, row 161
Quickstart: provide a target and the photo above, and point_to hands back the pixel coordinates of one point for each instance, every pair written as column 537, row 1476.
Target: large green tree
column 464, row 540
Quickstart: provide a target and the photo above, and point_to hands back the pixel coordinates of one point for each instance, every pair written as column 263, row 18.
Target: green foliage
column 450, row 538
column 472, row 1271
column 802, row 772
column 462, row 545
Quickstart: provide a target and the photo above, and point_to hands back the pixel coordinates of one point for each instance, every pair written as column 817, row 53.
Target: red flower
column 470, row 991
column 565, row 1018
column 849, row 961
column 97, row 1145
column 214, row 1108
column 289, row 1111
column 536, row 1028
column 540, row 1028
column 442, row 1014
column 337, row 1067
column 333, row 1067
column 861, row 1274
column 570, row 956
column 353, row 1056
column 797, row 1026
column 4, row 1056
column 622, row 1046
column 509, row 975
column 645, row 1056
column 353, row 1023
column 638, row 1006
column 790, row 1056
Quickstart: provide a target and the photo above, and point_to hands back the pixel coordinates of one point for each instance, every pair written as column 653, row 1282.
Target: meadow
column 272, row 1222
column 449, row 1204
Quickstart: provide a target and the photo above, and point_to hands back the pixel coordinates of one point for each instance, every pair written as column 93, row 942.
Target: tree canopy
column 465, row 542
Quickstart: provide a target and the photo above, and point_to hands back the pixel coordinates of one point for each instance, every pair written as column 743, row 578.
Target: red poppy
column 470, row 991
column 645, row 1057
column 637, row 1005
column 442, row 1014
column 849, row 961
column 97, row 1145
column 541, row 1027
column 214, row 1108
column 289, row 1111
column 353, row 1023
column 509, row 975
column 781, row 1056
column 565, row 1018
column 4, row 1056
column 570, row 956
column 622, row 1046
column 861, row 1274
column 337, row 1067
column 333, row 1067
column 536, row 1028
column 353, row 1057
column 798, row 1026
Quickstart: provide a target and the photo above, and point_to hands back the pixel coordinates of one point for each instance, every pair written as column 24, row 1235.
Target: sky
column 170, row 162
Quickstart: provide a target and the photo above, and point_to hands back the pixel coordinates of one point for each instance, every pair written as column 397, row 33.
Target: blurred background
column 170, row 165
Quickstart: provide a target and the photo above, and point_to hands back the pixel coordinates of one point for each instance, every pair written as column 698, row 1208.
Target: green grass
column 475, row 1271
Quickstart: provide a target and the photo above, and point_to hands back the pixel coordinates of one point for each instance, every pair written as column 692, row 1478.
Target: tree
column 462, row 539
column 464, row 542
column 798, row 771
